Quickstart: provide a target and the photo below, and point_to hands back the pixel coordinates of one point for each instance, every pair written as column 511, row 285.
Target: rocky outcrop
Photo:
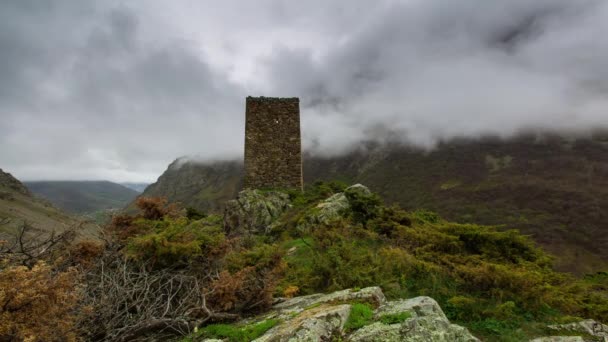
column 332, row 208
column 8, row 183
column 254, row 211
column 320, row 323
column 372, row 295
column 588, row 330
column 588, row 326
column 323, row 317
column 558, row 339
column 426, row 322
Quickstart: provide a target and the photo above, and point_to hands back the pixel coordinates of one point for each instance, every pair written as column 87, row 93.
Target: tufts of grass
column 234, row 333
column 395, row 318
column 360, row 315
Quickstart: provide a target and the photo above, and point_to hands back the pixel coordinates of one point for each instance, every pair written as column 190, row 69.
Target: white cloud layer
column 117, row 89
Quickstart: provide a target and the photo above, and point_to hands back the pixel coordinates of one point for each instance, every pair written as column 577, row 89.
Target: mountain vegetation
column 169, row 273
column 83, row 197
column 552, row 188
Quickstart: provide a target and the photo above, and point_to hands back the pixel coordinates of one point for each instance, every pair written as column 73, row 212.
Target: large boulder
column 254, row 211
column 321, row 323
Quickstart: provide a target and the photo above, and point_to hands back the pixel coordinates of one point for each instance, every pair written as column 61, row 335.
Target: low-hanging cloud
column 431, row 70
column 114, row 90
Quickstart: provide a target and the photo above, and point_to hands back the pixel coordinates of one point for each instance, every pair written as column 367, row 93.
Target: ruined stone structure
column 273, row 148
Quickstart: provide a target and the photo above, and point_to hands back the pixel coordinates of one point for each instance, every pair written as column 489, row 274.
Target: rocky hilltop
column 550, row 187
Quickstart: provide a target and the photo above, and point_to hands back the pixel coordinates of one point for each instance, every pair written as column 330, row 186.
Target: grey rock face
column 588, row 326
column 372, row 295
column 558, row 339
column 317, row 324
column 427, row 322
column 254, row 211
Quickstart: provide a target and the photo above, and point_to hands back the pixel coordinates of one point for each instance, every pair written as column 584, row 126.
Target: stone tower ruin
column 273, row 148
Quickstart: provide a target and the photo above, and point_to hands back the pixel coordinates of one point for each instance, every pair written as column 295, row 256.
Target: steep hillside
column 19, row 206
column 553, row 188
column 83, row 197
column 204, row 186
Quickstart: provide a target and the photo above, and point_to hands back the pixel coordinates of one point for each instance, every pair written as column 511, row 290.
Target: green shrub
column 364, row 207
column 316, row 192
column 173, row 241
column 425, row 216
column 193, row 214
column 360, row 315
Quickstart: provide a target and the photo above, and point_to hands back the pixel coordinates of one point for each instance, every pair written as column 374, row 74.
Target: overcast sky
column 118, row 89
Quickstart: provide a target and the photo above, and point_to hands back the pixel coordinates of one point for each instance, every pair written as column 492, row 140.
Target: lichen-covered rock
column 372, row 295
column 559, row 339
column 329, row 210
column 418, row 307
column 427, row 322
column 322, row 317
column 254, row 211
column 316, row 324
column 333, row 207
column 587, row 327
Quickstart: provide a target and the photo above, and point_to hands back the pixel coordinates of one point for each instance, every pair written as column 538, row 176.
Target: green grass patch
column 236, row 333
column 360, row 315
column 395, row 318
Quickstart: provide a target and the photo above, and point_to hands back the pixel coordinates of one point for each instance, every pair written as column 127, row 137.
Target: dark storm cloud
column 117, row 89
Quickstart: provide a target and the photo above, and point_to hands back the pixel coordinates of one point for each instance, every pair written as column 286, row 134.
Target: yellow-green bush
column 171, row 241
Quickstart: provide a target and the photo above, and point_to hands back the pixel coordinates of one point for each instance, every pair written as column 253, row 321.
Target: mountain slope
column 204, row 186
column 19, row 206
column 80, row 197
column 553, row 188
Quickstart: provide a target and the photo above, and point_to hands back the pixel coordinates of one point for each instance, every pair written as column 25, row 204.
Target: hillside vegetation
column 83, row 197
column 18, row 207
column 190, row 273
column 552, row 188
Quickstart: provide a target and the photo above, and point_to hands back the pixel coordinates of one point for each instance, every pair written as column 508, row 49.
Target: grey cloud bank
column 116, row 90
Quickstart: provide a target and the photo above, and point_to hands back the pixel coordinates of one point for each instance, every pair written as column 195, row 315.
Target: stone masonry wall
column 273, row 148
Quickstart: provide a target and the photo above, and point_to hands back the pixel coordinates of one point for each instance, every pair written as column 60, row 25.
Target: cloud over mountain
column 115, row 90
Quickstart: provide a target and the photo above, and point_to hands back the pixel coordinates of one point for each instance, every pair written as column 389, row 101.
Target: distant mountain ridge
column 551, row 187
column 83, row 197
column 139, row 187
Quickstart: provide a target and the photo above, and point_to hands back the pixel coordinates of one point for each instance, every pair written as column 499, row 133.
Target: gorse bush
column 172, row 241
column 38, row 304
